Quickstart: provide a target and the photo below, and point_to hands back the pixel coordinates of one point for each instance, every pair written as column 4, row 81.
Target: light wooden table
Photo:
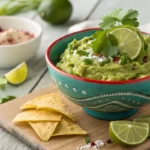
column 38, row 75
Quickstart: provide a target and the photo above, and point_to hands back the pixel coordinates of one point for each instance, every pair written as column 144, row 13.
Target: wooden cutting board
column 97, row 129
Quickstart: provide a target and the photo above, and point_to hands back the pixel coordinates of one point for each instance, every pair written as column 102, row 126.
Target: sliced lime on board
column 17, row 75
column 129, row 39
column 128, row 132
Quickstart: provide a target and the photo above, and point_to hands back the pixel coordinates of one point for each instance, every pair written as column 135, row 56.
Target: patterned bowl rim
column 49, row 62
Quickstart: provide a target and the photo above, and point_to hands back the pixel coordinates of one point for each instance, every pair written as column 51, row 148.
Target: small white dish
column 12, row 55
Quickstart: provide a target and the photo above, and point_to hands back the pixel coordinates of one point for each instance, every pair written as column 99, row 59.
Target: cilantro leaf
column 130, row 17
column 6, row 99
column 87, row 61
column 3, row 82
column 100, row 41
column 108, row 22
column 88, row 140
column 105, row 43
column 133, row 22
column 116, row 13
column 110, row 50
column 112, row 39
column 131, row 14
column 82, row 53
column 121, row 17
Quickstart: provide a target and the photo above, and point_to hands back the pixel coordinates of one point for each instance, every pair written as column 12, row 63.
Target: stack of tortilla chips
column 48, row 117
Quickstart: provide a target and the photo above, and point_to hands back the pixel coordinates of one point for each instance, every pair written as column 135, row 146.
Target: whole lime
column 55, row 11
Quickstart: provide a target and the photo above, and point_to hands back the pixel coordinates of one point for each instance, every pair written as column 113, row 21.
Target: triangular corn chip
column 44, row 129
column 68, row 127
column 62, row 110
column 37, row 115
column 53, row 99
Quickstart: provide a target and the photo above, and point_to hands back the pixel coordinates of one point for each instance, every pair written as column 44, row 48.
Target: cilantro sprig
column 106, row 43
column 88, row 140
column 120, row 17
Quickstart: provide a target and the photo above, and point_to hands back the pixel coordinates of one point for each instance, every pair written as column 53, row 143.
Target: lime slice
column 17, row 75
column 130, row 40
column 145, row 119
column 128, row 132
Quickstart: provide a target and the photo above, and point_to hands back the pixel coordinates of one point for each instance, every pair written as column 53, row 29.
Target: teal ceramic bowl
column 109, row 100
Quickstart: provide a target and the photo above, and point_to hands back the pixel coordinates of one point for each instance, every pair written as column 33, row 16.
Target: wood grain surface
column 97, row 129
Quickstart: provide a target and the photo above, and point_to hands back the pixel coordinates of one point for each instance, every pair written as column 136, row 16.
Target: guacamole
column 80, row 60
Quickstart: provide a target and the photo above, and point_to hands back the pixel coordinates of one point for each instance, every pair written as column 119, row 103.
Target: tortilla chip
column 37, row 115
column 68, row 127
column 62, row 110
column 53, row 99
column 44, row 129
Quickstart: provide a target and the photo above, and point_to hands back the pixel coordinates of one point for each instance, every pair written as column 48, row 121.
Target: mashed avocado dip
column 80, row 60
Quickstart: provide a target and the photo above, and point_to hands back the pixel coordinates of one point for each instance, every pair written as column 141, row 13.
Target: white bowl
column 12, row 55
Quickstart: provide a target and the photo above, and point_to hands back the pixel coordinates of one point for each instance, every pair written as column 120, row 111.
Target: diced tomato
column 116, row 59
column 93, row 143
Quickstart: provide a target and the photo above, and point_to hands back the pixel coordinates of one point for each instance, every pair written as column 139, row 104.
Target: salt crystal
column 98, row 143
column 100, row 60
column 89, row 42
column 95, row 57
column 95, row 147
column 90, row 55
column 75, row 52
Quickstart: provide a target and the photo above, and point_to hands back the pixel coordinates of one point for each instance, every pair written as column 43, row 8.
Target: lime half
column 145, row 119
column 17, row 75
column 129, row 40
column 128, row 132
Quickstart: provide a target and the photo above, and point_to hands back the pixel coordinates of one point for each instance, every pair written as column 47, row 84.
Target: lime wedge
column 130, row 40
column 128, row 132
column 17, row 75
column 145, row 119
